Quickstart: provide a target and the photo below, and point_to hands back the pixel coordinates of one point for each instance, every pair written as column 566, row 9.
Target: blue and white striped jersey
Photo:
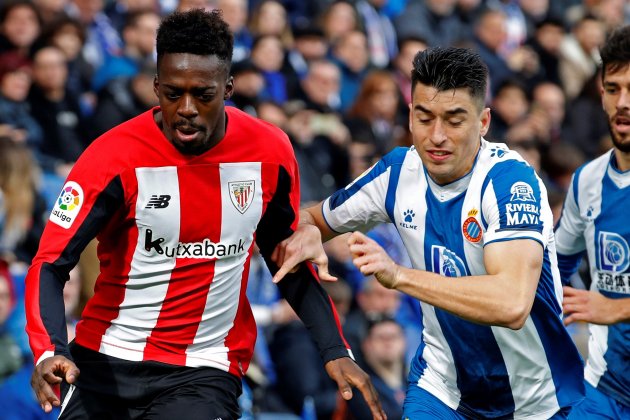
column 594, row 220
column 478, row 370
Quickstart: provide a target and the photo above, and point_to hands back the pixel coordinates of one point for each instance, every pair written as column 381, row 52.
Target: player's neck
column 622, row 160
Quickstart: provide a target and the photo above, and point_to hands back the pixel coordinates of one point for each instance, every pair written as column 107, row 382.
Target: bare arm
column 503, row 297
column 305, row 244
column 593, row 307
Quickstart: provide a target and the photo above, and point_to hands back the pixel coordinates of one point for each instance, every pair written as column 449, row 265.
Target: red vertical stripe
column 239, row 337
column 200, row 198
column 105, row 305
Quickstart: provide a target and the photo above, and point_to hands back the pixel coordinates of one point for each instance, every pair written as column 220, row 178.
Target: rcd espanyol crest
column 242, row 194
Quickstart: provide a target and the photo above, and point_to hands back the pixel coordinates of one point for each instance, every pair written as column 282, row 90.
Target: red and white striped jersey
column 175, row 238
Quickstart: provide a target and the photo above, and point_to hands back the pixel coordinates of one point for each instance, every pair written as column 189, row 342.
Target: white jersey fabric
column 477, row 370
column 594, row 220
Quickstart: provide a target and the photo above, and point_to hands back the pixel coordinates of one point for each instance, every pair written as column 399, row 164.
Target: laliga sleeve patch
column 67, row 205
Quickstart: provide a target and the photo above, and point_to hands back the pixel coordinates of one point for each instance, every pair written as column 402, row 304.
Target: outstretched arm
column 304, row 293
column 503, row 297
column 593, row 307
column 305, row 244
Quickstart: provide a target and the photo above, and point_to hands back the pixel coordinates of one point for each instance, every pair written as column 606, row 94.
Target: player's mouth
column 622, row 124
column 438, row 155
column 186, row 134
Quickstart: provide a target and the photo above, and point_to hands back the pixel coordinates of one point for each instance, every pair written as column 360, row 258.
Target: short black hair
column 446, row 68
column 195, row 32
column 615, row 53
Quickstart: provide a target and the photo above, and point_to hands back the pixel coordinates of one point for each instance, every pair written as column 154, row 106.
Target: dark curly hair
column 616, row 51
column 195, row 32
column 451, row 68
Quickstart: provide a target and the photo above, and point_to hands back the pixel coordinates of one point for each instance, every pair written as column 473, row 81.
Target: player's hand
column 305, row 244
column 587, row 306
column 370, row 258
column 348, row 374
column 49, row 372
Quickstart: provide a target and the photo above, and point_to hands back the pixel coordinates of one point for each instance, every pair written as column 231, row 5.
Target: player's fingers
column 568, row 291
column 344, row 387
column 575, row 317
column 45, row 395
column 356, row 238
column 322, row 271
column 275, row 253
column 286, row 268
column 72, row 372
column 51, row 378
column 371, row 398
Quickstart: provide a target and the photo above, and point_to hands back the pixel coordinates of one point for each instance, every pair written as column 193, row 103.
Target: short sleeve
column 512, row 203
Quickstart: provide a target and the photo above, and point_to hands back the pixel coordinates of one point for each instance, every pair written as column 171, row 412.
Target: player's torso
column 603, row 197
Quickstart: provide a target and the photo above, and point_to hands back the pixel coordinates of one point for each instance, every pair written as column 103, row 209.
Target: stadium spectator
column 309, row 44
column 319, row 141
column 22, row 208
column 138, row 36
column 123, row 98
column 51, row 11
column 268, row 56
column 118, row 11
column 403, row 64
column 320, row 88
column 57, row 111
column 350, row 52
column 380, row 32
column 292, row 350
column 270, row 18
column 68, row 34
column 378, row 107
column 592, row 223
column 20, row 25
column 546, row 42
column 186, row 5
column 102, row 39
column 490, row 36
column 129, row 188
column 249, row 85
column 339, row 18
column 580, row 55
column 235, row 13
column 384, row 350
column 483, row 274
column 16, row 120
column 10, row 355
column 435, row 21
column 591, row 135
column 373, row 301
column 510, row 106
column 550, row 99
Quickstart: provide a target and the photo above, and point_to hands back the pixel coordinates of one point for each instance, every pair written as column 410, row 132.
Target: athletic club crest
column 242, row 194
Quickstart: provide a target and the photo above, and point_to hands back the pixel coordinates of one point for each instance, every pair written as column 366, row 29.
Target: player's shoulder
column 593, row 169
column 497, row 159
column 125, row 136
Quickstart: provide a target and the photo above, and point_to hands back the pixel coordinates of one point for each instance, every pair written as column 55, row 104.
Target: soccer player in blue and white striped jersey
column 594, row 220
column 476, row 223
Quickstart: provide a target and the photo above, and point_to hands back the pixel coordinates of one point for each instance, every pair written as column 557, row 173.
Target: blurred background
column 335, row 75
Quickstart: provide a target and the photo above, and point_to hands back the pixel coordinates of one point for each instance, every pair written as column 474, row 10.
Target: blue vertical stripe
column 481, row 370
column 561, row 353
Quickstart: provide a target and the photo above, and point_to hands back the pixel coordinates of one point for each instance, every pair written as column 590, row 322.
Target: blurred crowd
column 335, row 76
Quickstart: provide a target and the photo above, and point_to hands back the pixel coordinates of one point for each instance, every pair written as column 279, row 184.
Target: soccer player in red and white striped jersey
column 176, row 197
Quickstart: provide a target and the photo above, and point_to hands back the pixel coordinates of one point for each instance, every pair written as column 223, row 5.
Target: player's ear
column 484, row 118
column 229, row 88
column 156, row 85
